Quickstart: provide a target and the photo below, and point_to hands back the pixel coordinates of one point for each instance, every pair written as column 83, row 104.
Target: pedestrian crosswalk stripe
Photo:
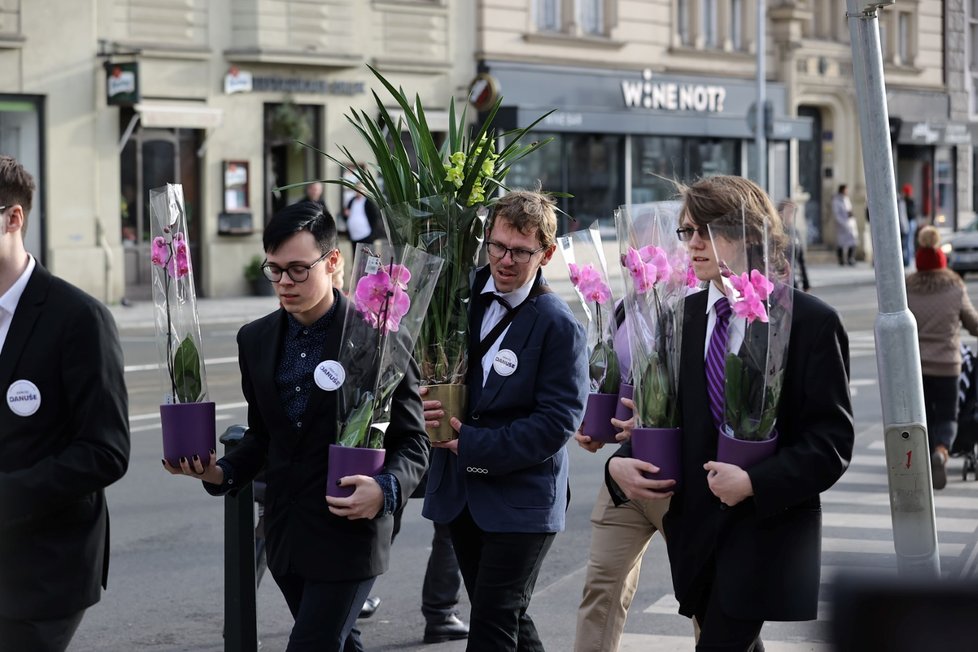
column 880, row 547
column 859, row 477
column 885, row 522
column 882, row 498
column 663, row 643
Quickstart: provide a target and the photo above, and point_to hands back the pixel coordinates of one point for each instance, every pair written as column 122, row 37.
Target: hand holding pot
column 627, row 472
column 194, row 468
column 728, row 482
column 366, row 501
column 432, row 410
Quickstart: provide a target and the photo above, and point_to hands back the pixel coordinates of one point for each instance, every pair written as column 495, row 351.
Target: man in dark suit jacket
column 744, row 544
column 64, row 437
column 324, row 553
column 502, row 485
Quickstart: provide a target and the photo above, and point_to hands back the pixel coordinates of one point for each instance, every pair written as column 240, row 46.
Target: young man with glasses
column 501, row 486
column 324, row 553
column 64, row 437
column 744, row 543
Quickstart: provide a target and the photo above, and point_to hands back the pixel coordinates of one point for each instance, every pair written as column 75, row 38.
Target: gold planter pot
column 454, row 398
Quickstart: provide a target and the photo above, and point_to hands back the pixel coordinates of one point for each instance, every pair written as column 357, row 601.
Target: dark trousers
column 442, row 585
column 720, row 632
column 325, row 613
column 500, row 570
column 941, row 408
column 442, row 580
column 39, row 635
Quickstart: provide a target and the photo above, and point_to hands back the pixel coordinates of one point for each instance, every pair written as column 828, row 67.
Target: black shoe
column 451, row 629
column 938, row 468
column 369, row 607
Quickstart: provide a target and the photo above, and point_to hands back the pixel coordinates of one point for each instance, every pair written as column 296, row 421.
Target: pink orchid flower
column 749, row 305
column 174, row 256
column 381, row 298
column 587, row 279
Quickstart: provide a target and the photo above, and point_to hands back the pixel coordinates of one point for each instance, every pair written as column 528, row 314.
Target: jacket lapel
column 22, row 327
column 514, row 340
column 693, row 373
column 321, row 407
column 267, row 347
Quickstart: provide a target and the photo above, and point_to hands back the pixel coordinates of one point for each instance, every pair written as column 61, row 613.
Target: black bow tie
column 489, row 297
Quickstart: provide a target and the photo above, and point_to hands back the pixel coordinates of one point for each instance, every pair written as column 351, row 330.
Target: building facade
column 212, row 94
column 651, row 91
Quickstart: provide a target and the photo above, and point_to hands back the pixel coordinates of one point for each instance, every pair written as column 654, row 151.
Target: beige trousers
column 619, row 538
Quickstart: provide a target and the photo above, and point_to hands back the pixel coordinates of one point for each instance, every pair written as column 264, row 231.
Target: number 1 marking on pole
column 909, row 455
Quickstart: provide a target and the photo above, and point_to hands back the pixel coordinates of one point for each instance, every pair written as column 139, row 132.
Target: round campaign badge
column 505, row 362
column 23, row 397
column 329, row 375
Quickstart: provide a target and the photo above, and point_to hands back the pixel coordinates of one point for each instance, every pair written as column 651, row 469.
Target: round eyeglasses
column 296, row 271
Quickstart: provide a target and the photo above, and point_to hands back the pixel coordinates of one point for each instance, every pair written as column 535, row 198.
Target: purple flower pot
column 188, row 429
column 597, row 417
column 662, row 447
column 745, row 453
column 623, row 413
column 346, row 460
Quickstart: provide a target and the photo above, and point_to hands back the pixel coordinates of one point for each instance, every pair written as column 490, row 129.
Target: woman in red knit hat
column 939, row 301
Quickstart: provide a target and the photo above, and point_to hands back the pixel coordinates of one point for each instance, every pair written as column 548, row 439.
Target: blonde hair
column 929, row 236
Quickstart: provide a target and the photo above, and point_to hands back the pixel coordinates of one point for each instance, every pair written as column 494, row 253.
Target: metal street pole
column 760, row 115
column 898, row 355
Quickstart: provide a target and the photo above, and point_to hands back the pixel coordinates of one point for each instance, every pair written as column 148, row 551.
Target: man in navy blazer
column 502, row 484
column 744, row 544
column 64, row 437
column 324, row 553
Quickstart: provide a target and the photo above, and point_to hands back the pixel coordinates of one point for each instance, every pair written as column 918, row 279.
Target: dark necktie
column 716, row 360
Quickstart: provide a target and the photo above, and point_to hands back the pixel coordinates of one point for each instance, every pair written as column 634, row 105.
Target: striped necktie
column 716, row 360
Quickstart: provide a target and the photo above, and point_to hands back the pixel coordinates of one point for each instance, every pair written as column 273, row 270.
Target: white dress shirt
column 494, row 314
column 10, row 299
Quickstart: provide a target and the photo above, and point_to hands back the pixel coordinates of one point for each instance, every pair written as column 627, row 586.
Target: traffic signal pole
column 898, row 354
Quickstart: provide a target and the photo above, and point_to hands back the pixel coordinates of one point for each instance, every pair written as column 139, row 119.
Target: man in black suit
column 64, row 437
column 501, row 486
column 744, row 544
column 324, row 553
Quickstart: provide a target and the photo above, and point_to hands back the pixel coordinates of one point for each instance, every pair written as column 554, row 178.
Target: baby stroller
column 966, row 443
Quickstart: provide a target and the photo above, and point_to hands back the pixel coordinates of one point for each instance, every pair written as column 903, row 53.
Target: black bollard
column 240, row 609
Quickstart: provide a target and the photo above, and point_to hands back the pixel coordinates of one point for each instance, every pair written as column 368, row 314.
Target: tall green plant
column 435, row 201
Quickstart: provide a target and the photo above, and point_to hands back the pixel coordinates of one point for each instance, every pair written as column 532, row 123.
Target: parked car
column 961, row 249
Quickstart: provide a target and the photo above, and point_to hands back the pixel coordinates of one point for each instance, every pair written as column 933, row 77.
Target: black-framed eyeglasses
column 3, row 208
column 518, row 255
column 296, row 271
column 685, row 233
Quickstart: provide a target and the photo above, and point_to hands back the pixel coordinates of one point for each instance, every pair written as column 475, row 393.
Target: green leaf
column 186, row 372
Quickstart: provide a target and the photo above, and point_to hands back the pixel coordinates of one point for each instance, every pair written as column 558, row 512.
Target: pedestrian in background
column 323, row 552
column 744, row 544
column 787, row 209
column 939, row 301
column 502, row 485
column 64, row 437
column 845, row 227
column 363, row 220
column 913, row 225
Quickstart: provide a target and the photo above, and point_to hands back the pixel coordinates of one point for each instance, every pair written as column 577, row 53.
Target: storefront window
column 659, row 161
column 594, row 176
column 20, row 137
column 944, row 209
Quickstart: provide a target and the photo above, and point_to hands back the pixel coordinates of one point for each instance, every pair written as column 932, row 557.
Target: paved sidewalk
column 239, row 310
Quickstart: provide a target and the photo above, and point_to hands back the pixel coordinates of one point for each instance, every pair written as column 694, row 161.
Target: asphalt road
column 166, row 578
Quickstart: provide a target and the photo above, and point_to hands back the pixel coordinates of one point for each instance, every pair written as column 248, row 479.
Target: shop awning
column 182, row 116
column 173, row 115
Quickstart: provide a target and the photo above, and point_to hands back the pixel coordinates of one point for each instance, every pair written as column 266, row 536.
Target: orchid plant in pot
column 757, row 279
column 186, row 414
column 584, row 254
column 657, row 280
column 436, row 198
column 392, row 291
